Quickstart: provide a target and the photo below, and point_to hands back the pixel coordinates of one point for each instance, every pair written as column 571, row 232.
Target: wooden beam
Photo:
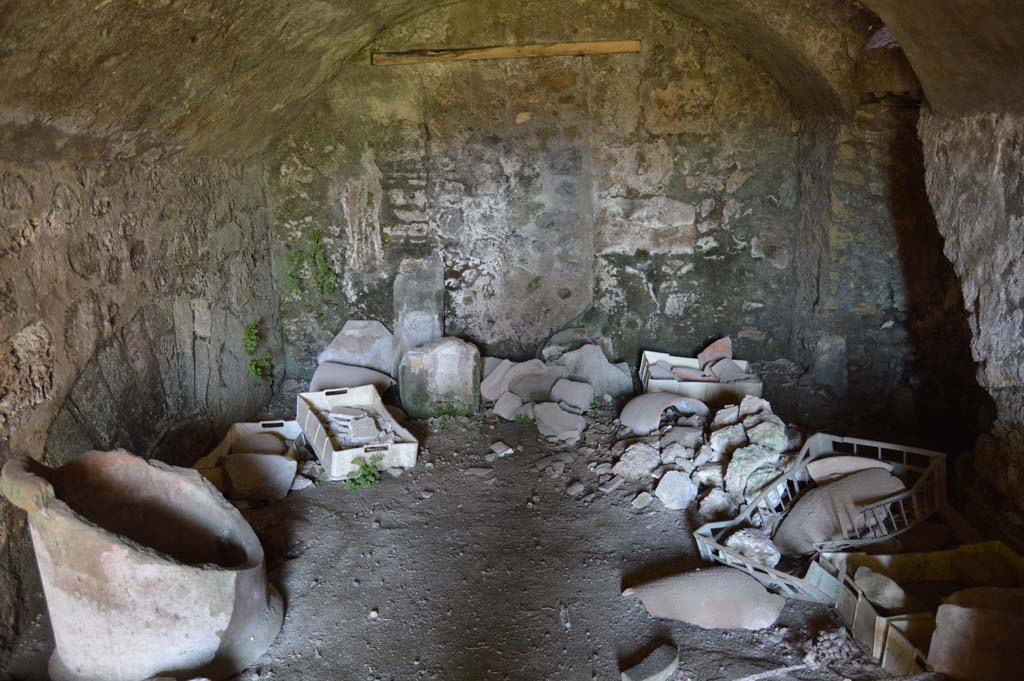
column 506, row 52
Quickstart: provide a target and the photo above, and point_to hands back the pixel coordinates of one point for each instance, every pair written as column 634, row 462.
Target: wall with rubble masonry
column 124, row 290
column 658, row 199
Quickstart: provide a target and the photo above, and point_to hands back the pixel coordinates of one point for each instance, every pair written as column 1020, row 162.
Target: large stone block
column 362, row 343
column 439, row 378
column 419, row 305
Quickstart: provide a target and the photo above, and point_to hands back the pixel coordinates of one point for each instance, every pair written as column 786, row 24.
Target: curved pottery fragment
column 147, row 570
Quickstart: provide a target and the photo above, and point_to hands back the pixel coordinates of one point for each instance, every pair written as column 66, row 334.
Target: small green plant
column 367, row 476
column 260, row 368
column 522, row 418
column 324, row 278
column 595, row 404
column 475, row 427
column 251, row 337
column 293, row 277
column 535, row 284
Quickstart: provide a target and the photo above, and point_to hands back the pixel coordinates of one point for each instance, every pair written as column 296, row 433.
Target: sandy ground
column 440, row 574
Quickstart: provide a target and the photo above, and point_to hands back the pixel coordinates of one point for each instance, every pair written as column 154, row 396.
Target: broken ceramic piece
column 331, row 376
column 661, row 370
column 728, row 371
column 692, row 375
column 642, row 414
column 712, row 598
column 660, row 665
column 883, row 592
column 720, row 349
column 362, row 343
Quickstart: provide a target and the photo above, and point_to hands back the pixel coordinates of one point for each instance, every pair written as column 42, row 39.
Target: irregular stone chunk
column 728, row 416
column 676, row 491
column 507, row 406
column 491, row 388
column 329, row 376
column 362, row 343
column 753, row 405
column 713, row 598
column 677, row 454
column 537, row 387
column 691, row 438
column 819, row 515
column 554, row 421
column 882, row 591
column 26, row 371
column 642, row 500
column 725, row 440
column 642, row 414
column 977, row 635
column 418, row 295
column 770, row 434
column 661, row 665
column 440, row 378
column 574, row 393
column 637, row 462
column 589, row 364
column 754, row 545
column 720, row 349
column 718, row 505
column 745, row 461
column 519, row 371
column 259, row 477
column 831, row 468
column 759, row 480
column 709, row 475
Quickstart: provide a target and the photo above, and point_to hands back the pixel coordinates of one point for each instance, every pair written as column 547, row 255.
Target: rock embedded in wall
column 26, row 372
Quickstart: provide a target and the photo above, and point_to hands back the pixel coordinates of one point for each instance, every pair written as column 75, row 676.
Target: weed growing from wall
column 324, row 279
column 260, row 367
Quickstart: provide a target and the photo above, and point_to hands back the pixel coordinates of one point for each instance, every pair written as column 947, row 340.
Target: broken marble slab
column 716, row 505
column 637, row 462
column 259, row 477
column 660, row 665
column 978, row 635
column 491, row 387
column 720, row 349
column 508, row 406
column 752, row 544
column 554, row 421
column 642, row 414
column 536, row 387
column 589, row 365
column 828, row 469
column 362, row 343
column 440, row 378
column 822, row 513
column 260, row 443
column 331, row 376
column 712, row 598
column 675, row 490
column 576, row 394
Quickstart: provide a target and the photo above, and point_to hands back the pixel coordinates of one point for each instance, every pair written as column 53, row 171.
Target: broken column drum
column 147, row 570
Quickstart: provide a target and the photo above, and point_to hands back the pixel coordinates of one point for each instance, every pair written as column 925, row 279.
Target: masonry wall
column 124, row 290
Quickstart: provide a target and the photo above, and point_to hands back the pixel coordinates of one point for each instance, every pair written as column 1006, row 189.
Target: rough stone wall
column 124, row 289
column 975, row 166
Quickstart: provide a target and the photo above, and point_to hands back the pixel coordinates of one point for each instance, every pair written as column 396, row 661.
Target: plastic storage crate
column 289, row 431
column 923, row 470
column 899, row 643
column 709, row 393
column 339, row 462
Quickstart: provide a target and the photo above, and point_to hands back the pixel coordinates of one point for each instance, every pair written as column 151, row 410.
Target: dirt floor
column 452, row 574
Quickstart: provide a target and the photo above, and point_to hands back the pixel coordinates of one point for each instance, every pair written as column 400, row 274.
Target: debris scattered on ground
column 712, row 598
column 660, row 665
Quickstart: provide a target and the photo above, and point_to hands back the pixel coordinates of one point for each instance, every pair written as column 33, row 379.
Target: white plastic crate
column 922, row 470
column 709, row 393
column 289, row 431
column 339, row 462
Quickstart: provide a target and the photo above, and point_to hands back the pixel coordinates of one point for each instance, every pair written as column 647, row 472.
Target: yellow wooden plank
column 507, row 52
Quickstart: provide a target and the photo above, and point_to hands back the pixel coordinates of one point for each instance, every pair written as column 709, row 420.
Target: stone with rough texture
column 676, row 491
column 637, row 462
column 760, row 479
column 712, row 598
column 440, row 378
column 554, row 421
column 491, row 387
column 754, row 545
column 709, row 475
column 660, row 665
column 745, row 461
column 977, row 635
column 574, row 393
column 362, row 343
column 727, row 416
column 751, row 405
column 642, row 414
column 329, row 376
column 418, row 295
column 725, row 440
column 691, row 438
column 536, row 387
column 642, row 500
column 770, row 433
column 718, row 505
column 508, row 406
column 589, row 365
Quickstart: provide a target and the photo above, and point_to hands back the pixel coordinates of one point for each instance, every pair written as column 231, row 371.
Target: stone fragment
column 490, row 364
column 752, row 544
column 770, row 434
column 500, row 449
column 642, row 414
column 418, row 295
column 977, row 635
column 573, row 338
column 751, row 405
column 720, row 349
column 518, row 372
column 440, row 378
column 759, row 480
column 527, row 411
column 745, row 461
column 709, row 475
column 883, row 592
column 613, row 484
column 637, row 462
column 676, row 491
column 725, row 440
column 330, row 376
column 831, row 468
column 642, row 500
column 554, row 421
column 300, row 483
column 718, row 505
column 677, row 454
column 259, row 477
column 574, row 393
column 589, row 365
column 707, row 455
column 508, row 406
column 537, row 387
column 575, row 489
column 660, row 665
column 712, row 598
column 260, row 443
column 727, row 416
column 491, row 387
column 692, row 438
column 821, row 513
column 362, row 343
